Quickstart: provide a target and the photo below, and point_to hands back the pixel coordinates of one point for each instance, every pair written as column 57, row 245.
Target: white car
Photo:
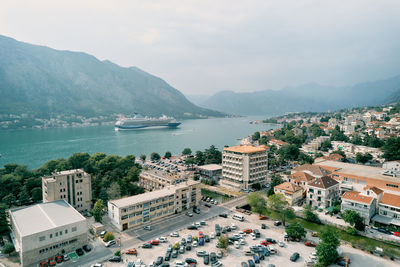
column 212, row 235
column 313, row 256
column 216, row 264
column 237, row 244
column 180, row 263
column 162, row 239
column 281, row 244
column 194, row 244
column 233, row 226
column 242, row 242
column 253, row 236
column 197, row 224
column 138, row 263
column 174, row 234
column 96, row 265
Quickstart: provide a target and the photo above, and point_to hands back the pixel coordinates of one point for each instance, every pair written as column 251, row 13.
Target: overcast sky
column 201, row 47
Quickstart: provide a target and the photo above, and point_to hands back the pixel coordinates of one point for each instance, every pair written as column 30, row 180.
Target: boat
column 140, row 122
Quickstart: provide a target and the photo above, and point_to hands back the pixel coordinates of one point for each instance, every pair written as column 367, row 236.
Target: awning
column 330, row 209
column 385, row 220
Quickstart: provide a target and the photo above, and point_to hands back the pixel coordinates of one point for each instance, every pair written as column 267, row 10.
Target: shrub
column 117, row 253
column 8, row 248
column 351, row 230
column 108, row 237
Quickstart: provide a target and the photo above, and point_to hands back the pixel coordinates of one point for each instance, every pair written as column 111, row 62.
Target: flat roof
column 357, row 170
column 166, row 191
column 245, row 149
column 210, row 167
column 44, row 216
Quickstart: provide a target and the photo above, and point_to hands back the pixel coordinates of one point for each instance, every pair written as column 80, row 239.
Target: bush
column 176, row 246
column 108, row 237
column 351, row 230
column 117, row 253
column 8, row 248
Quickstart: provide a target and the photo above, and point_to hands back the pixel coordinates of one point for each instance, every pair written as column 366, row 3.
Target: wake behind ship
column 140, row 122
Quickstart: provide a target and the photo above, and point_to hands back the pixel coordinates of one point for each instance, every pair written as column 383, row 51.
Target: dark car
column 79, row 251
column 228, row 228
column 115, row 259
column 224, row 215
column 251, row 263
column 223, row 230
column 341, row 262
column 190, row 260
column 174, row 253
column 192, row 227
column 87, row 248
column 233, row 238
column 206, row 259
column 256, row 259
column 213, row 257
column 261, row 255
column 277, row 223
column 147, row 245
column 201, row 241
column 159, row 260
column 207, row 205
column 244, row 264
column 164, row 264
column 167, row 256
column 188, row 247
column 183, row 241
column 130, row 264
column 263, row 226
column 217, row 232
column 270, row 240
column 207, row 238
column 294, row 256
column 384, row 231
column 189, row 239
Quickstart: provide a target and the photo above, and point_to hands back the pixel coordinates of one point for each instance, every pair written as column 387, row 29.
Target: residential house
column 323, row 192
column 292, row 192
column 389, row 210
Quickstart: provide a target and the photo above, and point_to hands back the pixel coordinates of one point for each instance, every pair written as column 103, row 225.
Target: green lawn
column 214, row 195
column 361, row 242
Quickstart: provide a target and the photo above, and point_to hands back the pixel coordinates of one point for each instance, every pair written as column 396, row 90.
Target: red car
column 154, row 242
column 51, row 261
column 265, row 243
column 201, row 235
column 396, row 234
column 43, row 264
column 262, row 217
column 59, row 259
column 131, row 251
column 310, row 244
column 248, row 231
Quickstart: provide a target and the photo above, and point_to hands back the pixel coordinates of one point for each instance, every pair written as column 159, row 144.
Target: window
column 56, row 233
column 73, row 229
column 51, row 235
column 42, row 238
column 66, row 231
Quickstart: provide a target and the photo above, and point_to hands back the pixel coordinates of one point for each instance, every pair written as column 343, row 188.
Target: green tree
column 327, row 248
column 373, row 141
column 190, row 161
column 278, row 203
column 8, row 248
column 99, row 210
column 255, row 136
column 108, row 237
column 326, row 145
column 9, row 199
column 354, row 219
column 4, row 227
column 117, row 253
column 288, row 152
column 78, row 160
column 330, row 235
column 24, row 197
column 276, row 180
column 356, row 139
column 363, row 158
column 296, row 230
column 257, row 202
column 37, row 194
column 200, row 158
column 391, row 148
column 186, row 151
column 223, row 242
column 309, row 215
column 167, row 155
column 338, row 135
column 114, row 191
column 155, row 156
column 143, row 157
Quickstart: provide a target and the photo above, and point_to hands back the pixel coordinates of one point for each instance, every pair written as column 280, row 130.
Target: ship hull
column 146, row 126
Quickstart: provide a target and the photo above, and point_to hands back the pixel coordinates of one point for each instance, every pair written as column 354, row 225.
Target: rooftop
column 356, row 196
column 210, row 167
column 45, row 216
column 324, row 182
column 357, row 170
column 166, row 191
column 314, row 169
column 391, row 199
column 290, row 187
column 246, row 149
column 302, row 176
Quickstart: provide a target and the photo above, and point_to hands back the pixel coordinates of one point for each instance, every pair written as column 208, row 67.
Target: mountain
column 310, row 97
column 42, row 81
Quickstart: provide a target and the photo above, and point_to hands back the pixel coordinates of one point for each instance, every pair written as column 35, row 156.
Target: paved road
column 99, row 253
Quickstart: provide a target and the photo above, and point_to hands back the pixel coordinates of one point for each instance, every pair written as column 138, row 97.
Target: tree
column 276, row 180
column 4, row 227
column 24, row 197
column 223, row 241
column 338, row 135
column 356, row 139
column 9, row 199
column 78, row 160
column 190, row 161
column 257, row 202
column 199, row 156
column 354, row 219
column 117, row 253
column 288, row 152
column 143, row 157
column 255, row 136
column 155, row 156
column 108, row 237
column 167, row 155
column 363, row 158
column 373, row 141
column 326, row 145
column 187, row 151
column 296, row 230
column 327, row 248
column 98, row 210
column 37, row 194
column 278, row 203
column 391, row 148
column 114, row 191
column 8, row 248
column 330, row 235
column 309, row 215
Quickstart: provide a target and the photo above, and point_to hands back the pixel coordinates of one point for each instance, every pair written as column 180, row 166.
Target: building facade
column 144, row 208
column 322, row 192
column 243, row 166
column 292, row 192
column 73, row 186
column 155, row 179
column 210, row 172
column 389, row 210
column 44, row 230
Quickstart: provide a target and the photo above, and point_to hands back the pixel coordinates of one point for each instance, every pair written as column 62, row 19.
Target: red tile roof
column 356, row 196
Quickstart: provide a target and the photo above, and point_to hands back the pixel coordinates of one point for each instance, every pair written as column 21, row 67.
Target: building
column 144, row 208
column 301, row 178
column 389, row 210
column 243, row 166
column 155, row 179
column 323, row 192
column 292, row 192
column 74, row 186
column 210, row 172
column 366, row 204
column 314, row 170
column 392, row 168
column 44, row 230
column 354, row 177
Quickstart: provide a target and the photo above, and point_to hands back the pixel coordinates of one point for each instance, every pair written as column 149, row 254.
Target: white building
column 243, row 166
column 74, row 186
column 47, row 229
column 210, row 171
column 323, row 192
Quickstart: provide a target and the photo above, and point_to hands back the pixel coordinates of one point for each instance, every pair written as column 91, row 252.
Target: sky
column 202, row 47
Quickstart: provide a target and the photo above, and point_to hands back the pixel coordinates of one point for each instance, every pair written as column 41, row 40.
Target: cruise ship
column 140, row 122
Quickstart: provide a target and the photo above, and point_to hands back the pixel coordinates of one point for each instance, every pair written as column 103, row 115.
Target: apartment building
column 322, row 192
column 354, row 177
column 301, row 178
column 210, row 172
column 389, row 210
column 351, row 150
column 142, row 209
column 155, row 179
column 74, row 186
column 292, row 192
column 365, row 203
column 44, row 230
column 243, row 166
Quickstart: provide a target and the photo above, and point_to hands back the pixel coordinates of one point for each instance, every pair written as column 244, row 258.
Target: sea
column 34, row 147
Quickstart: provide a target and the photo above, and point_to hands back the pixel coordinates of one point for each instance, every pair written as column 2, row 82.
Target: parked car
column 249, row 253
column 216, row 264
column 162, row 239
column 79, row 251
column 190, row 260
column 110, row 243
column 294, row 256
column 212, row 235
column 154, row 242
column 131, row 251
column 59, row 259
column 277, row 223
column 314, row 234
column 206, row 259
column 174, row 253
column 139, row 262
column 66, row 257
column 270, row 240
column 247, row 231
column 220, row 254
column 174, row 234
column 148, row 228
column 195, row 244
column 188, row 247
column 167, row 256
column 263, row 226
column 192, row 227
column 147, row 245
column 251, row 263
column 224, row 215
column 262, row 217
column 102, row 234
column 310, row 244
column 181, row 249
column 213, row 257
column 115, row 259
column 384, row 231
column 207, row 205
column 201, row 253
column 159, row 260
column 244, row 264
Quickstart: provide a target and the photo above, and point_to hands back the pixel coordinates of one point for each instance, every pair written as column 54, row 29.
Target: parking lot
column 234, row 257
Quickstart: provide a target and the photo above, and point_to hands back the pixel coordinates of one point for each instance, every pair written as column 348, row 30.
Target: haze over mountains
column 42, row 81
column 308, row 97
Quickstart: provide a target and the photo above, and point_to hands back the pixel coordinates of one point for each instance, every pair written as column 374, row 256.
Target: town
column 322, row 189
